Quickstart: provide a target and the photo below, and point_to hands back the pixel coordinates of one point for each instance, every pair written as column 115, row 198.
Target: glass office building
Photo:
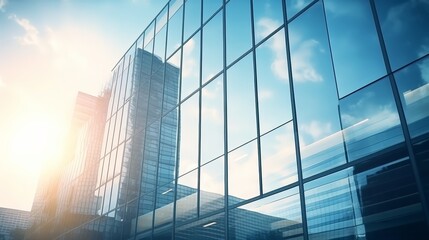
column 269, row 119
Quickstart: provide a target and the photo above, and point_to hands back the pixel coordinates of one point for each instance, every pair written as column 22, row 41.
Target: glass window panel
column 212, row 227
column 106, row 198
column 274, row 217
column 150, row 159
column 241, row 103
column 149, row 33
column 105, row 168
column 187, row 194
column 123, row 129
column 210, row 7
column 273, row 83
column 189, row 135
column 212, row 61
column 115, row 191
column 358, row 202
column 161, row 19
column 212, row 129
column 357, row 60
column 145, row 212
column 192, row 17
column 212, row 190
column 174, row 6
column 278, row 158
column 99, row 195
column 413, row 85
column 370, row 120
column 268, row 16
column 168, row 148
column 238, row 30
column 316, row 100
column 164, row 205
column 159, row 50
column 191, row 66
column 175, row 32
column 294, row 6
column 243, row 168
column 172, row 82
column 119, row 158
column 112, row 164
column 403, row 24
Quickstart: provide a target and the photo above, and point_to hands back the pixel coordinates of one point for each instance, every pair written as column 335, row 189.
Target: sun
column 34, row 141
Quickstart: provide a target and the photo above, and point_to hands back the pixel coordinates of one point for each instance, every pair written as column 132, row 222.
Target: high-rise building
column 13, row 223
column 269, row 119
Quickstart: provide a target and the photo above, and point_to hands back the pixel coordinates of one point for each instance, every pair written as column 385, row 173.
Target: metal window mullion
column 255, row 87
column 200, row 110
column 225, row 124
column 406, row 132
column 295, row 127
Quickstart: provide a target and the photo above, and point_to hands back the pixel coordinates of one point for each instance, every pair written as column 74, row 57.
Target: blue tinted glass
column 174, row 32
column 268, row 16
column 315, row 93
column 278, row 158
column 238, row 30
column 212, row 186
column 212, row 120
column 404, row 27
column 191, row 66
column 172, row 82
column 186, row 200
column 210, row 7
column 294, row 6
column 357, row 60
column 241, row 103
column 212, row 61
column 145, row 212
column 212, row 227
column 192, row 17
column 273, row 83
column 274, row 217
column 370, row 120
column 164, row 205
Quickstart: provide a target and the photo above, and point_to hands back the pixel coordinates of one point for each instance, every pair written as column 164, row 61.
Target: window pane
column 212, row 186
column 268, row 16
column 212, row 48
column 294, row 6
column 278, row 158
column 274, row 217
column 403, row 24
column 164, row 205
column 382, row 202
column 187, row 191
column 273, row 83
column 241, row 103
column 172, row 82
column 370, row 120
column 316, row 98
column 174, row 32
column 243, row 168
column 192, row 17
column 159, row 50
column 212, row 129
column 168, row 148
column 150, row 159
column 357, row 60
column 191, row 66
column 238, row 30
column 189, row 135
column 210, row 7
column 212, row 227
column 413, row 84
column 145, row 212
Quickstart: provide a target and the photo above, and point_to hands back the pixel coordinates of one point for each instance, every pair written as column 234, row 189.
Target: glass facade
column 269, row 119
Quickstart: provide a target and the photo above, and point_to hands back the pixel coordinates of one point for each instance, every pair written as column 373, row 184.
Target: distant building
column 13, row 223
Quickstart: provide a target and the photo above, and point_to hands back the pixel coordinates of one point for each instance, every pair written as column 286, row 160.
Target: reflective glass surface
column 210, row 7
column 278, row 158
column 274, row 217
column 352, row 33
column 212, row 120
column 192, row 17
column 403, row 24
column 370, row 120
column 273, row 83
column 241, row 103
column 268, row 16
column 209, row 228
column 187, row 195
column 315, row 93
column 238, row 30
column 243, row 168
column 212, row 186
column 174, row 39
column 191, row 66
column 212, row 61
column 295, row 6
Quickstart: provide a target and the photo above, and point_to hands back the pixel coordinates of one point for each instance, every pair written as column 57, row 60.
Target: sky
column 50, row 50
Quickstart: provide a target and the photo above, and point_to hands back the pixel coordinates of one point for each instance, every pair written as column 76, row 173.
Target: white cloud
column 31, row 36
column 316, row 129
column 2, row 5
column 302, row 65
column 265, row 94
column 189, row 62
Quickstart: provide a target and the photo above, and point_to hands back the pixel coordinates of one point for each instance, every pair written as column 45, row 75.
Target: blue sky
column 49, row 51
